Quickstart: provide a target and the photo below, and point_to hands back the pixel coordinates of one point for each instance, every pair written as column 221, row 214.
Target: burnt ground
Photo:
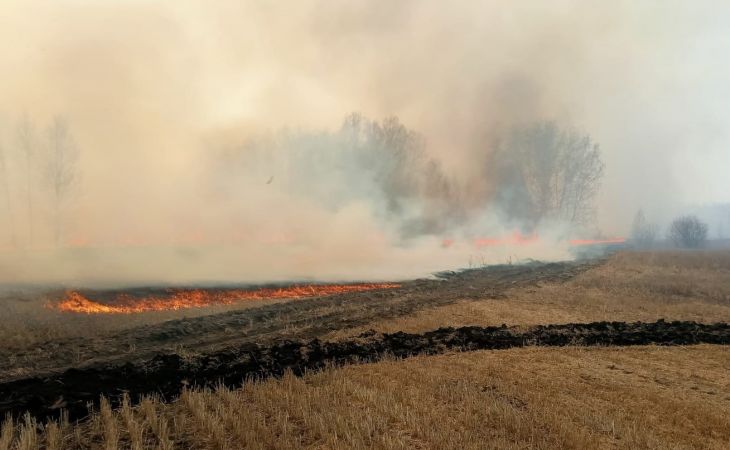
column 167, row 374
column 300, row 319
column 161, row 359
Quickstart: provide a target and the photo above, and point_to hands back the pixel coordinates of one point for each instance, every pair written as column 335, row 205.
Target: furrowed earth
column 149, row 366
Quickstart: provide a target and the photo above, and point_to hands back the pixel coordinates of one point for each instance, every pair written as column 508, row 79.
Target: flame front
column 175, row 299
column 516, row 238
column 579, row 242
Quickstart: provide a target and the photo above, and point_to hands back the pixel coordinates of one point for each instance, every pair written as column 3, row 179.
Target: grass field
column 631, row 286
column 33, row 322
column 645, row 397
column 574, row 397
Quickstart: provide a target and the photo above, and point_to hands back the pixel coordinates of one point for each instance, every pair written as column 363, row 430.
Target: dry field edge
column 167, row 375
column 40, row 341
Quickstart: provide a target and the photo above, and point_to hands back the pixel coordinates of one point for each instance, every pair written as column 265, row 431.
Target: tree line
column 686, row 231
column 39, row 175
column 539, row 172
column 536, row 173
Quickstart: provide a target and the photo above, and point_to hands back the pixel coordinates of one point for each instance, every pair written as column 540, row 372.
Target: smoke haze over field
column 192, row 122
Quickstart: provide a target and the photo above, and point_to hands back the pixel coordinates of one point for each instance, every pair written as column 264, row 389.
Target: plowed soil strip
column 167, row 374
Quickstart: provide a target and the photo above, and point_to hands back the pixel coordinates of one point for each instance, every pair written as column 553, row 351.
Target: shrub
column 688, row 231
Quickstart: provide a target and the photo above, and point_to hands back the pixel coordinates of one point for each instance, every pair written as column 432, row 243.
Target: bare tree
column 61, row 170
column 26, row 136
column 381, row 162
column 408, row 178
column 643, row 233
column 6, row 189
column 543, row 171
column 688, row 231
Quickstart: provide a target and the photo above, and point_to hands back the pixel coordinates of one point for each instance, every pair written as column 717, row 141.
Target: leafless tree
column 26, row 135
column 396, row 158
column 61, row 170
column 543, row 171
column 688, row 231
column 6, row 189
column 643, row 233
column 397, row 152
column 378, row 161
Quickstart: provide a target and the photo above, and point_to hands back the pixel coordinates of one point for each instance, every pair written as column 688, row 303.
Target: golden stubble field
column 574, row 397
column 630, row 286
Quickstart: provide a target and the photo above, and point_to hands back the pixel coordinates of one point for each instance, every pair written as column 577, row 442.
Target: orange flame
column 617, row 240
column 175, row 299
column 517, row 238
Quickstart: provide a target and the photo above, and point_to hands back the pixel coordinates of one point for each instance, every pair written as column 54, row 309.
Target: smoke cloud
column 210, row 146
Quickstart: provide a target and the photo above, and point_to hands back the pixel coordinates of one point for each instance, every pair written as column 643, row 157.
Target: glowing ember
column 617, row 240
column 175, row 299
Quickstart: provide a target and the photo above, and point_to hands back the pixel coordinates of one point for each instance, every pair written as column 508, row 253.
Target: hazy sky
column 150, row 86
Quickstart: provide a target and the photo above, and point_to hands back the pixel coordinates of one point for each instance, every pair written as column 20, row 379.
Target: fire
column 616, row 240
column 175, row 299
column 516, row 238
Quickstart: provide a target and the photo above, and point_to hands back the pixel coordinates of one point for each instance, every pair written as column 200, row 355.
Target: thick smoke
column 384, row 165
column 207, row 142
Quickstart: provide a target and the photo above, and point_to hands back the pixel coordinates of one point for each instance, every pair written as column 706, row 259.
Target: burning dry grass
column 631, row 286
column 176, row 299
column 644, row 397
column 28, row 322
column 38, row 316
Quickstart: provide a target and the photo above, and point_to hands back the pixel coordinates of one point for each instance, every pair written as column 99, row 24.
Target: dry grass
column 631, row 286
column 33, row 323
column 642, row 397
column 645, row 397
